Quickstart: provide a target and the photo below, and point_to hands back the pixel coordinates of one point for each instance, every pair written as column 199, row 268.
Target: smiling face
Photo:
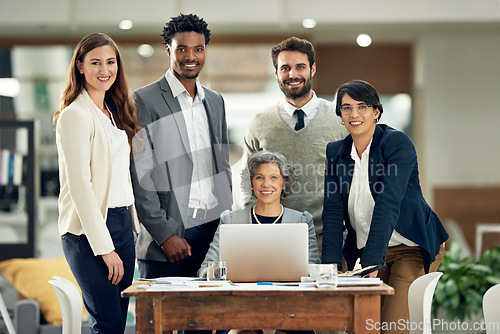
column 294, row 74
column 359, row 124
column 99, row 68
column 267, row 184
column 187, row 54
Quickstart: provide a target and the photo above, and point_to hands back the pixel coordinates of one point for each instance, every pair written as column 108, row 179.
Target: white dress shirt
column 361, row 204
column 310, row 108
column 85, row 180
column 201, row 194
column 120, row 190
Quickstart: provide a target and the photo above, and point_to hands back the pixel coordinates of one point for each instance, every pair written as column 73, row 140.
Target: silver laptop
column 264, row 253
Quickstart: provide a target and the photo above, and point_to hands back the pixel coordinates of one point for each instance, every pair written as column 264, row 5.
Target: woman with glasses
column 372, row 184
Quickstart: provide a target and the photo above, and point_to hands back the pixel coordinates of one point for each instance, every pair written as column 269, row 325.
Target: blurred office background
column 435, row 63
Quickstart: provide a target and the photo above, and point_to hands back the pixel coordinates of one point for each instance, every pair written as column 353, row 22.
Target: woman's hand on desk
column 176, row 248
column 115, row 267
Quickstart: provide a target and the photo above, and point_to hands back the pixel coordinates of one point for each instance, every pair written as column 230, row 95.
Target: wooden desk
column 291, row 308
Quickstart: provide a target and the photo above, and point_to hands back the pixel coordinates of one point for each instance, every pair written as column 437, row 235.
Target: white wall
column 51, row 18
column 458, row 121
column 49, row 65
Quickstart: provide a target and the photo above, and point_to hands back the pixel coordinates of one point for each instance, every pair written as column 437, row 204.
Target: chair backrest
column 491, row 305
column 6, row 317
column 420, row 300
column 457, row 235
column 70, row 303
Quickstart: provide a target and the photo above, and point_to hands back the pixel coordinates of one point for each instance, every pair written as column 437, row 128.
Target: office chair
column 491, row 305
column 420, row 300
column 70, row 303
column 6, row 318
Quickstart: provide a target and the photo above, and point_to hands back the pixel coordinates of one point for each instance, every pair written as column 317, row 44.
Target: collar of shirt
column 307, row 108
column 364, row 156
column 178, row 88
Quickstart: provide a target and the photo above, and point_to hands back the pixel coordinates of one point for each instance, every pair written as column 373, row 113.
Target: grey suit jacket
column 162, row 167
column 243, row 216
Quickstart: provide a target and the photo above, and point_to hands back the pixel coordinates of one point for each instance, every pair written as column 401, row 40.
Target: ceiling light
column 9, row 87
column 145, row 50
column 309, row 23
column 126, row 24
column 364, row 40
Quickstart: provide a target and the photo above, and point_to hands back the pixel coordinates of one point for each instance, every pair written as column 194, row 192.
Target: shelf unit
column 24, row 218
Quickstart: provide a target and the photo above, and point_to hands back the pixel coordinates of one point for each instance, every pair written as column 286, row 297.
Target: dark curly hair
column 185, row 23
column 294, row 44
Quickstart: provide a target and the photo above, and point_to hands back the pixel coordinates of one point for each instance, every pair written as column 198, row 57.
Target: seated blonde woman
column 271, row 177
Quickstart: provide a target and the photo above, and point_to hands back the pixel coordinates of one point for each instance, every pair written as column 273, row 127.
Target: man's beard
column 291, row 93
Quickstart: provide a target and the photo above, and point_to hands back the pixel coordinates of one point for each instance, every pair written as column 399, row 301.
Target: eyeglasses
column 362, row 108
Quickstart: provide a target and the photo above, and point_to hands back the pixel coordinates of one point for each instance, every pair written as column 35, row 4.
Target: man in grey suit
column 180, row 168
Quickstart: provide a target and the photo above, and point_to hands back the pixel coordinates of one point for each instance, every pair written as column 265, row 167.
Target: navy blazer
column 399, row 203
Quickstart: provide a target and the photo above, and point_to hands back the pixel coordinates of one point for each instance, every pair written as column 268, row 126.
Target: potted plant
column 459, row 292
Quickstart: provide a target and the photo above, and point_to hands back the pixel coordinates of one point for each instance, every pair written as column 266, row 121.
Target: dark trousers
column 199, row 238
column 102, row 298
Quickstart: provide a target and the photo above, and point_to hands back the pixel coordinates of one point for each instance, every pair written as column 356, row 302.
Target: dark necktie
column 300, row 119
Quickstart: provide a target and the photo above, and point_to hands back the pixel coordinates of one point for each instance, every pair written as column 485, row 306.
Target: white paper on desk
column 191, row 285
column 166, row 283
column 354, row 281
column 171, row 280
column 274, row 286
column 210, row 284
column 165, row 287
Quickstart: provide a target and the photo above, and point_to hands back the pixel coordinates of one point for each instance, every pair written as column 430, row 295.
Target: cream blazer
column 84, row 152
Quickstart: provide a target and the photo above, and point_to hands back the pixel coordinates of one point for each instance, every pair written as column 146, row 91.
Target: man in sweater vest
column 299, row 127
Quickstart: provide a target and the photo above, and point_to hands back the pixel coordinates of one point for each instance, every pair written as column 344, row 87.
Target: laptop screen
column 264, row 252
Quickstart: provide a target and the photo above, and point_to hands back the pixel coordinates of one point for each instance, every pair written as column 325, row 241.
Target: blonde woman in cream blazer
column 94, row 128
